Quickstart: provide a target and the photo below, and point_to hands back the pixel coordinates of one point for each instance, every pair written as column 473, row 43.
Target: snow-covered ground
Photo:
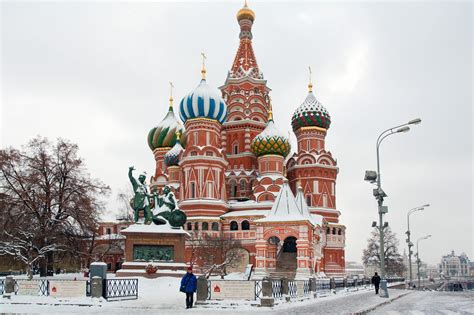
column 162, row 296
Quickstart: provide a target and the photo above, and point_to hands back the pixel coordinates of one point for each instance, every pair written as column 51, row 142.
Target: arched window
column 189, row 226
column 334, row 231
column 308, row 200
column 245, row 225
column 233, row 189
column 234, row 226
column 339, row 232
column 205, row 226
column 196, row 226
column 243, row 185
column 328, row 230
column 215, row 226
column 235, row 148
column 193, row 153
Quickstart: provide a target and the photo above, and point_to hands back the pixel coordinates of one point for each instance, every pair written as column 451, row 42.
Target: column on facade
column 260, row 253
column 303, row 253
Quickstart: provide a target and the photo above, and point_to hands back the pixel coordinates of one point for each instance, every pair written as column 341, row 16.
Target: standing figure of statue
column 141, row 198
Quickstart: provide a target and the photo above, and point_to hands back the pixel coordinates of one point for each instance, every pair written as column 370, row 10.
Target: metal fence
column 120, row 289
column 2, row 284
column 43, row 286
column 276, row 289
column 306, row 287
column 292, row 289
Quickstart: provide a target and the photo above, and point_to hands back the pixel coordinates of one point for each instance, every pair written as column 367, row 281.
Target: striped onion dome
column 164, row 135
column 203, row 102
column 270, row 141
column 172, row 156
column 311, row 114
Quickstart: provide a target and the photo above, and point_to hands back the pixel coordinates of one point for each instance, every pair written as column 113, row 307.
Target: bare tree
column 215, row 253
column 46, row 190
column 393, row 260
column 22, row 247
column 125, row 209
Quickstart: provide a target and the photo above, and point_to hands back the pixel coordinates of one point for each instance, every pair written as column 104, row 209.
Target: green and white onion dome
column 311, row 114
column 164, row 135
column 172, row 156
column 270, row 141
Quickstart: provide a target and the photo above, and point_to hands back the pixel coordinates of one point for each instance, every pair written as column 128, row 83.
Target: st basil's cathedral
column 235, row 176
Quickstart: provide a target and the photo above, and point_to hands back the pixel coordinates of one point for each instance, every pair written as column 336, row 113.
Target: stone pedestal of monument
column 159, row 245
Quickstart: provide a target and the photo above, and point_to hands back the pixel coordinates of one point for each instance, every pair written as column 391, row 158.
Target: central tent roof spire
column 245, row 63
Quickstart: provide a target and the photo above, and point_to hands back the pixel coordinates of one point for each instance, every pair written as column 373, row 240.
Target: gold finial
column 203, row 70
column 310, row 85
column 245, row 4
column 171, row 95
column 178, row 135
column 270, row 112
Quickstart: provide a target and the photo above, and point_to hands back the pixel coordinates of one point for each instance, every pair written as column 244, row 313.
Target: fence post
column 332, row 284
column 9, row 286
column 312, row 286
column 267, row 293
column 202, row 289
column 97, row 287
column 285, row 290
column 345, row 283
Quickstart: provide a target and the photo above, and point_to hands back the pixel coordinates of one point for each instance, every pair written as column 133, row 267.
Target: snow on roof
column 301, row 203
column 112, row 236
column 249, row 204
column 285, row 208
column 244, row 213
column 153, row 228
column 204, row 218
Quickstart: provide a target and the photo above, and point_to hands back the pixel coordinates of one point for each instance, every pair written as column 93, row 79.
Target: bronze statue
column 165, row 206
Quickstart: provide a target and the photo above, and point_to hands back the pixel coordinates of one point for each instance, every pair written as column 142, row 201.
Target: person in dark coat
column 189, row 286
column 376, row 282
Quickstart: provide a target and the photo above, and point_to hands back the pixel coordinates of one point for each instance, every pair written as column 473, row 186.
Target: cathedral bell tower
column 203, row 164
column 246, row 94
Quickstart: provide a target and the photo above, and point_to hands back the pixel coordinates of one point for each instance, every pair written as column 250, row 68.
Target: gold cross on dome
column 310, row 85
column 171, row 94
column 203, row 71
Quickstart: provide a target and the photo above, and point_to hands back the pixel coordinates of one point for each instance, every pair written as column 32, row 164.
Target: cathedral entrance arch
column 289, row 245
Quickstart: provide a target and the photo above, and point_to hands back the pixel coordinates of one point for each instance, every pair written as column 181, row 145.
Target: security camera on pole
column 374, row 178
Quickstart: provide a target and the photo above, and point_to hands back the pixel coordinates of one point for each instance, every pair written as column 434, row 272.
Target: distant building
column 455, row 266
column 354, row 269
column 110, row 244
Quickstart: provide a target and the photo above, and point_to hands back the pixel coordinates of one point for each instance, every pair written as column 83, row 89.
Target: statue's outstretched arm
column 132, row 179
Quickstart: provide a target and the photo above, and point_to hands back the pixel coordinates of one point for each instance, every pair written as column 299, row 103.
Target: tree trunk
column 50, row 264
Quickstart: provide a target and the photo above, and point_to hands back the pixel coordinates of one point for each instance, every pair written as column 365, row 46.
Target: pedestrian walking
column 376, row 282
column 189, row 286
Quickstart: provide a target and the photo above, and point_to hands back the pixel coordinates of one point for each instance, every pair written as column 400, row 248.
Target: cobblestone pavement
column 430, row 302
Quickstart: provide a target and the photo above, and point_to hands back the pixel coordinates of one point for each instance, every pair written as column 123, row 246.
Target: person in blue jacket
column 189, row 286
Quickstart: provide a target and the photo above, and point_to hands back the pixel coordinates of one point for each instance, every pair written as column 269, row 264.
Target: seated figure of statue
column 167, row 207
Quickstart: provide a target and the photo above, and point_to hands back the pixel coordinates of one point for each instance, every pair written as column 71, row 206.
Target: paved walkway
column 341, row 303
column 430, row 303
column 356, row 302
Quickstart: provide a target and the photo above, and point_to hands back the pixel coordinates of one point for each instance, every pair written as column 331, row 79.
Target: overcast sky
column 98, row 73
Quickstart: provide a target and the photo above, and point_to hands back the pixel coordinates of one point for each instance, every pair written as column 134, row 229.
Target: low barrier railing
column 120, row 288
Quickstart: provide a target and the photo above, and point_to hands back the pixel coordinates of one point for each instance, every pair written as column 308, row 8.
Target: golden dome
column 245, row 13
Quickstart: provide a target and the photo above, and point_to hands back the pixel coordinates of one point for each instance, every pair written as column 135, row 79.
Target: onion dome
column 270, row 141
column 172, row 156
column 203, row 102
column 164, row 135
column 245, row 13
column 311, row 113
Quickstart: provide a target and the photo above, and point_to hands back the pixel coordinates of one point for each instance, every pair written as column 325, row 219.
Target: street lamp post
column 380, row 195
column 410, row 244
column 418, row 261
